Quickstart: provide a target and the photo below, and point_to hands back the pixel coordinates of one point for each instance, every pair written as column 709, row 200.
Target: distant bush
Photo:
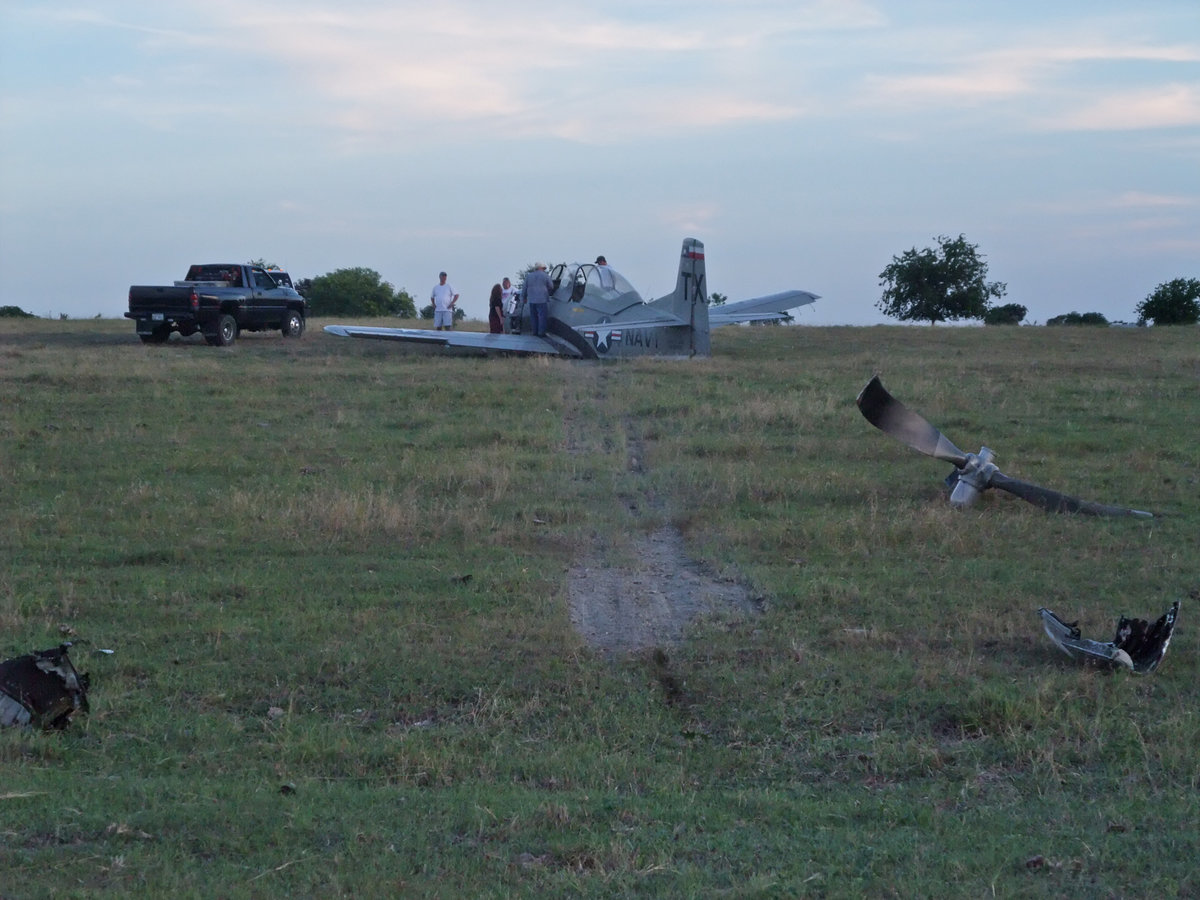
column 1172, row 303
column 1074, row 318
column 1008, row 314
column 427, row 313
column 15, row 312
column 355, row 292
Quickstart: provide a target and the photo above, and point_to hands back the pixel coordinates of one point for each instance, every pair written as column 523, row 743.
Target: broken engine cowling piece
column 41, row 689
column 1138, row 645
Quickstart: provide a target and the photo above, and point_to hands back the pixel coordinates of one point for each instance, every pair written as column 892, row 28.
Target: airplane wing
column 760, row 309
column 479, row 340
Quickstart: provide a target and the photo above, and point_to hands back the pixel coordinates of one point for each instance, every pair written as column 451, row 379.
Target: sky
column 806, row 143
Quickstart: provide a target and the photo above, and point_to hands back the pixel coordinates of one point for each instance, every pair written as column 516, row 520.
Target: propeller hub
column 974, row 478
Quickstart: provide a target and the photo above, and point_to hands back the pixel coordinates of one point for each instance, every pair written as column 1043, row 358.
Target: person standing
column 496, row 310
column 536, row 293
column 443, row 298
column 605, row 273
column 509, row 295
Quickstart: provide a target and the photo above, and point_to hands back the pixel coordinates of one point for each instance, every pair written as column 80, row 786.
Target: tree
column 1174, row 302
column 459, row 313
column 1075, row 318
column 356, row 292
column 1008, row 314
column 945, row 284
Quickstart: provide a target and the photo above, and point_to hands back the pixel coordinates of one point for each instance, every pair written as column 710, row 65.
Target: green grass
column 334, row 577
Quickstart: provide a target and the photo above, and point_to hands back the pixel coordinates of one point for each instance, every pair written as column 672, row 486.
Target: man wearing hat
column 536, row 293
column 443, row 298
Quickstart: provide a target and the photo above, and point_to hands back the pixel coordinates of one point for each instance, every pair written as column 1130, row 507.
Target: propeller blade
column 1057, row 502
column 889, row 415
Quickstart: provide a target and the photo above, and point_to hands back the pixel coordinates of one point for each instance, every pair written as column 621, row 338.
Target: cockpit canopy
column 572, row 281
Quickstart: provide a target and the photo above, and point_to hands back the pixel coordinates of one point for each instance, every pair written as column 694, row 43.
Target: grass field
column 334, row 575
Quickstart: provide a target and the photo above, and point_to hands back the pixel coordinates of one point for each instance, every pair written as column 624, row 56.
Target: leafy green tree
column 15, row 312
column 356, row 292
column 715, row 299
column 404, row 305
column 427, row 312
column 1175, row 302
column 1075, row 318
column 945, row 284
column 1008, row 314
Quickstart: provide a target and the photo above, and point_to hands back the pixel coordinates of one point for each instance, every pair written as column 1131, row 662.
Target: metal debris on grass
column 42, row 689
column 1138, row 645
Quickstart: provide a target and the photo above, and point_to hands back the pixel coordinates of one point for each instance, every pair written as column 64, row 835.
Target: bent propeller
column 973, row 473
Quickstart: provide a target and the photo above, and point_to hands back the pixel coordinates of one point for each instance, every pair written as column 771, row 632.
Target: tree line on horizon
column 946, row 283
column 949, row 283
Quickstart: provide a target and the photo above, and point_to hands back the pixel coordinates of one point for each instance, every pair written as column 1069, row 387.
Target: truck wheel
column 293, row 324
column 226, row 333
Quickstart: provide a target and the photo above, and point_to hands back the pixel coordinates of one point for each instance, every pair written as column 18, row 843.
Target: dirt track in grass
column 649, row 597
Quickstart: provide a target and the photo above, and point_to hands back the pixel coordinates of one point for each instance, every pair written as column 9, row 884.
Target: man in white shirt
column 443, row 298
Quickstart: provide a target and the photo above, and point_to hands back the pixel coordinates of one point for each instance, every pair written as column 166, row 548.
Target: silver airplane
column 596, row 313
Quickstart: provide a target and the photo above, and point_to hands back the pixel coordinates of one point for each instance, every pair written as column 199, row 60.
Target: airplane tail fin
column 691, row 280
column 690, row 300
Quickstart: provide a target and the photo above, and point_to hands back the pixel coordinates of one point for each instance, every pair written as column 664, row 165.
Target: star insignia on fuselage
column 603, row 338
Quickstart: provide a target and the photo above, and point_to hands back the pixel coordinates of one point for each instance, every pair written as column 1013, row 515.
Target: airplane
column 596, row 313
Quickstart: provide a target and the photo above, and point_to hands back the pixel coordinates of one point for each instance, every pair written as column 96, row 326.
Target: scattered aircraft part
column 973, row 473
column 41, row 689
column 595, row 312
column 1067, row 636
column 1138, row 645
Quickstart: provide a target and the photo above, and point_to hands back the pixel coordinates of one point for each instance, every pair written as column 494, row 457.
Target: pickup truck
column 219, row 300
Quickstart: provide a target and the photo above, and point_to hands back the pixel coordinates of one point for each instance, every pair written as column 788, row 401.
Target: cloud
column 379, row 74
column 977, row 83
column 1163, row 106
column 1142, row 200
column 1054, row 80
column 694, row 218
column 1143, row 203
column 384, row 75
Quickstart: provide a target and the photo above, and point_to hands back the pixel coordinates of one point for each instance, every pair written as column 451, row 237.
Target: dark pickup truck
column 218, row 300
